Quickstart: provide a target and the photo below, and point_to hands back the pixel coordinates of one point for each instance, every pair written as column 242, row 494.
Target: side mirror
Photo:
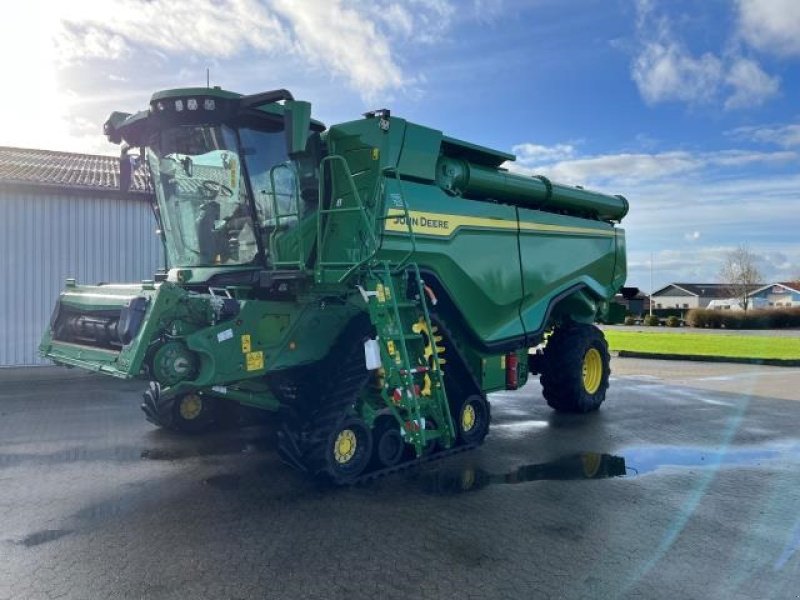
column 127, row 163
column 296, row 123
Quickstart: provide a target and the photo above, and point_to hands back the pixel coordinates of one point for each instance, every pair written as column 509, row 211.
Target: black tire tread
column 561, row 377
column 161, row 412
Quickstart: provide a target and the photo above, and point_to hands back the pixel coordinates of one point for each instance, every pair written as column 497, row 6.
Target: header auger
column 369, row 283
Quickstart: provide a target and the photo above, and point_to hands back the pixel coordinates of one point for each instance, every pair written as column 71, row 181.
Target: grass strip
column 741, row 346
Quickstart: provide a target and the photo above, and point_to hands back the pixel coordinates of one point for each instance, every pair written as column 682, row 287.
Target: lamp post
column 650, row 303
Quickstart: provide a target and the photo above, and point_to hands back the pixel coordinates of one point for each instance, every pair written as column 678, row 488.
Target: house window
column 685, row 306
column 658, row 305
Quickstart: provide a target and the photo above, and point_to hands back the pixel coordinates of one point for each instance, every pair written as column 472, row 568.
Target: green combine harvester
column 369, row 283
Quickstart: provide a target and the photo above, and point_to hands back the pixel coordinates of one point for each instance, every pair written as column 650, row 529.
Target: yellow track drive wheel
column 349, row 450
column 575, row 369
column 190, row 407
column 185, row 413
column 472, row 419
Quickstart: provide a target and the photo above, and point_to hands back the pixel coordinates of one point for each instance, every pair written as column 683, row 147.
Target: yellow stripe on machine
column 445, row 225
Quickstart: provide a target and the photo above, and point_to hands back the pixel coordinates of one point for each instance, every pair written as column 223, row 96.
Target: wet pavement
column 685, row 485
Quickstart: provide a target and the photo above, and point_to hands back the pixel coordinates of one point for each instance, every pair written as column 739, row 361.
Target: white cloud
column 203, row 28
column 424, row 21
column 787, row 136
column 533, row 154
column 702, row 264
column 330, row 35
column 633, row 168
column 771, row 25
column 751, row 85
column 666, row 70
column 354, row 42
column 694, row 204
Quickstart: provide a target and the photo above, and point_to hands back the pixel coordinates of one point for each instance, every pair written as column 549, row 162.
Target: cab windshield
column 202, row 197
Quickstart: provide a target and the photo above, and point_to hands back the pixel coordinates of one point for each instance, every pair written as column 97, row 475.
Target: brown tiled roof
column 65, row 169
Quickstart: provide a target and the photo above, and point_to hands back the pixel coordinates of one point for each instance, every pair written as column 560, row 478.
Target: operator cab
column 234, row 177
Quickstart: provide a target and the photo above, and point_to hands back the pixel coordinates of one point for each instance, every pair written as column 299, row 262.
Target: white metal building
column 691, row 295
column 62, row 215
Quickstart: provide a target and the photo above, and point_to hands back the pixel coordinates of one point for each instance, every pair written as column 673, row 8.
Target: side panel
column 472, row 247
column 559, row 252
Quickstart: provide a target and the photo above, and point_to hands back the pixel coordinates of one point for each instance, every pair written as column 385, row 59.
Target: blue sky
column 688, row 108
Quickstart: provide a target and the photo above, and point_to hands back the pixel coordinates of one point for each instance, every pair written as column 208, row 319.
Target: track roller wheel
column 186, row 413
column 389, row 447
column 472, row 419
column 575, row 369
column 347, row 451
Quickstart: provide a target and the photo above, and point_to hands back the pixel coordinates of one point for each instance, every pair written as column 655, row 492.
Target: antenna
column 208, row 77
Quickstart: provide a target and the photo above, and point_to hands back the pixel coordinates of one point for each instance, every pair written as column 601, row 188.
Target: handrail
column 359, row 207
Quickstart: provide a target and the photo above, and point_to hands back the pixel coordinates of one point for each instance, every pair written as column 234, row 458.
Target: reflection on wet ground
column 685, row 493
column 249, row 440
column 587, row 465
column 643, row 460
column 635, row 461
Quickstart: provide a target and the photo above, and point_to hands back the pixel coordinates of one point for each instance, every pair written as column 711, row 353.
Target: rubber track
column 304, row 451
column 302, row 444
column 409, row 464
column 452, row 352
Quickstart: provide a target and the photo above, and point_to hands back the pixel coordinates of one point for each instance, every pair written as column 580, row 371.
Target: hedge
column 766, row 318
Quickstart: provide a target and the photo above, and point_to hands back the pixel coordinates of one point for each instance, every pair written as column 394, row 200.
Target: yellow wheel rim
column 191, row 406
column 592, row 370
column 344, row 448
column 591, row 462
column 468, row 417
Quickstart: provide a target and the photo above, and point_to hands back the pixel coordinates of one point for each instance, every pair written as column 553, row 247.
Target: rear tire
column 186, row 413
column 575, row 369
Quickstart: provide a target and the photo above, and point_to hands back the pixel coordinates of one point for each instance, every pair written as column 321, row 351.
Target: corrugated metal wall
column 45, row 238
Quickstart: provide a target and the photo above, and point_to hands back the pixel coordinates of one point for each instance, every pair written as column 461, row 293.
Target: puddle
column 42, row 537
column 643, row 460
column 587, row 465
column 631, row 462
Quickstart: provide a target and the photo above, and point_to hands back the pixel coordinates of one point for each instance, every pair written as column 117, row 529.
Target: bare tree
column 740, row 273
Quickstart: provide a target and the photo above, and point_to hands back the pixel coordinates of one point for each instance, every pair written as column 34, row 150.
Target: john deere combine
column 369, row 283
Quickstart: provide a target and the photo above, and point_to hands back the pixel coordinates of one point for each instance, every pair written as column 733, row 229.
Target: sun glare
column 33, row 108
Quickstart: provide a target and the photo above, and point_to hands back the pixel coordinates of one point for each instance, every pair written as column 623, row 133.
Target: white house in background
column 690, row 295
column 735, row 304
column 778, row 295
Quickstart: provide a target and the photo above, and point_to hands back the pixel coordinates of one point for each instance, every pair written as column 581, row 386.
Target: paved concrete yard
column 96, row 503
